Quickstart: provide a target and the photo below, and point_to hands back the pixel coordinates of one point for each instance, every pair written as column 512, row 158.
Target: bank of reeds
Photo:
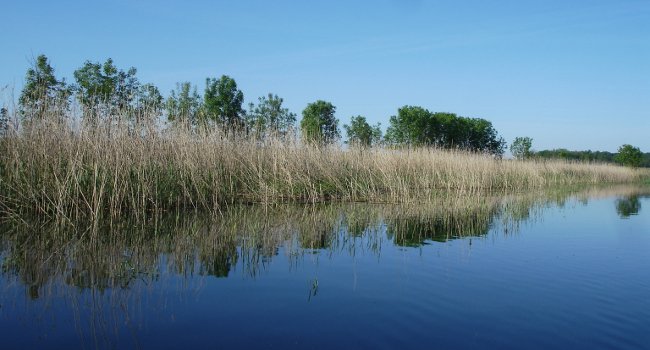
column 56, row 169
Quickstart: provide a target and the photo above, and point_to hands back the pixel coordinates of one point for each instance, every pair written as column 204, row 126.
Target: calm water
column 538, row 271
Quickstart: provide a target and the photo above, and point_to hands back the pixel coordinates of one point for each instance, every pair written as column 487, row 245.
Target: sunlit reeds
column 70, row 170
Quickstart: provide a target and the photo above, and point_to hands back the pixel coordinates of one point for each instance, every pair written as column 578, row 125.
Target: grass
column 65, row 171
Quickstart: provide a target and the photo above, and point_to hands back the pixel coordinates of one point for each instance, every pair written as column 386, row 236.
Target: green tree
column 270, row 117
column 4, row 120
column 319, row 123
column 411, row 126
column 447, row 130
column 223, row 102
column 520, row 147
column 43, row 93
column 184, row 105
column 418, row 127
column 360, row 133
column 629, row 155
column 104, row 90
column 148, row 104
column 481, row 136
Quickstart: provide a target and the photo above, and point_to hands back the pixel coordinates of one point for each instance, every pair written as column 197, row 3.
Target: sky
column 569, row 74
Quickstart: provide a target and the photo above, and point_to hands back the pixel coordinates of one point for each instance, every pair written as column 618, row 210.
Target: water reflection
column 117, row 263
column 120, row 254
column 628, row 206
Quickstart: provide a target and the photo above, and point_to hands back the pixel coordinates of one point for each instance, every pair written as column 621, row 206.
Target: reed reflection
column 105, row 271
column 120, row 254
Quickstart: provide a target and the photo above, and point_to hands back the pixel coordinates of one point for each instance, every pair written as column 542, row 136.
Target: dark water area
column 535, row 271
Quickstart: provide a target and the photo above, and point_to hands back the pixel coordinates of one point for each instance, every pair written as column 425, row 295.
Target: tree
column 319, row 124
column 360, row 133
column 270, row 117
column 520, row 147
column 4, row 120
column 418, row 127
column 411, row 126
column 483, row 137
column 184, row 105
column 149, row 103
column 223, row 102
column 629, row 155
column 104, row 90
column 43, row 93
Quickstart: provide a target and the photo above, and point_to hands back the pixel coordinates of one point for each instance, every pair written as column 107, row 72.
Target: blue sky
column 571, row 74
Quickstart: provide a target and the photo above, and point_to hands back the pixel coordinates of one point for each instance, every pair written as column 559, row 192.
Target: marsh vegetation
column 55, row 169
column 108, row 146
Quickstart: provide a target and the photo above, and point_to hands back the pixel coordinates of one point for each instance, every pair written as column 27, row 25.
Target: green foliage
column 43, row 93
column 105, row 90
column 270, row 117
column 411, row 126
column 480, row 136
column 416, row 126
column 360, row 133
column 184, row 105
column 587, row 156
column 319, row 124
column 520, row 147
column 223, row 102
column 629, row 155
column 4, row 120
column 149, row 102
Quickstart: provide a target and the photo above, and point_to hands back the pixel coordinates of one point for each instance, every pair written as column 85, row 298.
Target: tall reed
column 65, row 170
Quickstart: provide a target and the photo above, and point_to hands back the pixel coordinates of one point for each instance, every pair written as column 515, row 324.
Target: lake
column 563, row 269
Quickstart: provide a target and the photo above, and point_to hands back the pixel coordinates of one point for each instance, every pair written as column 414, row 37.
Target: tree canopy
column 223, row 102
column 269, row 116
column 521, row 147
column 416, row 126
column 360, row 133
column 629, row 155
column 106, row 91
column 105, row 88
column 319, row 123
column 43, row 93
column 184, row 105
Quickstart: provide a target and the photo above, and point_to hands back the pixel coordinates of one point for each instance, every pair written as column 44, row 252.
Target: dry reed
column 55, row 169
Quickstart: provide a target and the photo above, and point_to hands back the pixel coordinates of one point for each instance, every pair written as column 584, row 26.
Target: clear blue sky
column 572, row 74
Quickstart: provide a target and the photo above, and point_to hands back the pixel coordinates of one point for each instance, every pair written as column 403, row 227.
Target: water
column 537, row 271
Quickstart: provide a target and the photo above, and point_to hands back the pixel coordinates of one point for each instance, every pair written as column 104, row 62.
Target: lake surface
column 536, row 271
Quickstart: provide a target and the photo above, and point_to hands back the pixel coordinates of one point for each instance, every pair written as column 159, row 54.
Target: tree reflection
column 124, row 254
column 628, row 206
column 118, row 262
column 416, row 231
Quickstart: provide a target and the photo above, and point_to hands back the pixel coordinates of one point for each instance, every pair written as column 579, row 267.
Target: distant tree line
column 588, row 156
column 628, row 155
column 111, row 95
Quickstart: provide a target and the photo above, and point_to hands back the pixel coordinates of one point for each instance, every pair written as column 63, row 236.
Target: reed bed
column 57, row 169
